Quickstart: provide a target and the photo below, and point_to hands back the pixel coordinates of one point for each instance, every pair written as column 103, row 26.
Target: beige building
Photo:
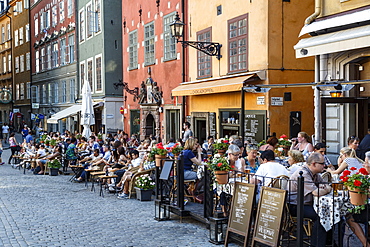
column 257, row 39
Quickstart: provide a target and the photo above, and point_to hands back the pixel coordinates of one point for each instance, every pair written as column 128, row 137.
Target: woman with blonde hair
column 304, row 144
column 190, row 159
column 251, row 160
column 233, row 154
column 295, row 160
column 349, row 160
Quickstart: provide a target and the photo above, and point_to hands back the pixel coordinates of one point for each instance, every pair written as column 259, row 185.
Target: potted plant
column 47, row 142
column 144, row 186
column 358, row 185
column 43, row 138
column 284, row 144
column 54, row 166
column 160, row 153
column 220, row 167
column 100, row 137
column 53, row 142
column 176, row 149
column 221, row 145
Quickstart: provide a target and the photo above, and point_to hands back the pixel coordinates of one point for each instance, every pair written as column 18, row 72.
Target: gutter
column 317, row 12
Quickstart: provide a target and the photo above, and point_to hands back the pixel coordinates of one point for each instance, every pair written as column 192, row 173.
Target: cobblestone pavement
column 37, row 210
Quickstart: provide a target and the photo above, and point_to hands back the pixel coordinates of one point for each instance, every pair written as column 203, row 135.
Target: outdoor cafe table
column 331, row 208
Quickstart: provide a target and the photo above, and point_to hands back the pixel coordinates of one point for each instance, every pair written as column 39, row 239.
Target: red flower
column 357, row 183
column 219, row 164
column 363, row 171
column 283, row 137
column 225, row 141
column 346, row 173
column 233, row 166
column 345, row 179
column 353, row 168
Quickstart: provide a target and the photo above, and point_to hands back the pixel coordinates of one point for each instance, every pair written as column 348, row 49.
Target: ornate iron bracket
column 209, row 48
column 134, row 92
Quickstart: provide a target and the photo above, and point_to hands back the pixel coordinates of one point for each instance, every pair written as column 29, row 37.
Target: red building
column 152, row 67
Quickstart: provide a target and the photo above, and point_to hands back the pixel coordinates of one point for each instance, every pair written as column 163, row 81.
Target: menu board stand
column 267, row 228
column 241, row 211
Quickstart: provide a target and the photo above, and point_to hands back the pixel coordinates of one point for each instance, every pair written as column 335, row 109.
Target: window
column 61, row 11
column 50, row 93
column 70, row 8
column 62, row 51
column 21, row 63
column 21, row 36
column 16, row 64
column 17, row 92
column 27, row 32
column 82, row 73
column 35, row 96
column 169, row 41
column 64, row 92
column 54, row 55
column 98, row 74
column 16, row 38
column 82, row 25
column 56, row 93
column 25, row 4
column 19, row 7
column 90, row 21
column 21, row 91
column 90, row 73
column 204, row 61
column 133, row 50
column 237, row 32
column 48, row 55
column 149, row 44
column 54, row 12
column 4, row 64
column 97, row 16
column 43, row 59
column 36, row 26
column 10, row 63
column 9, row 31
column 37, row 62
column 28, row 61
column 72, row 88
column 71, row 50
column 28, row 88
column 2, row 34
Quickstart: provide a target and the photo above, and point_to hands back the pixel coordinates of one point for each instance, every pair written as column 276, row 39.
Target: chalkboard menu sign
column 269, row 216
column 241, row 210
column 212, row 124
column 254, row 124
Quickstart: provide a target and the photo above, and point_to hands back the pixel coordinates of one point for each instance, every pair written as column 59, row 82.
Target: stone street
column 38, row 210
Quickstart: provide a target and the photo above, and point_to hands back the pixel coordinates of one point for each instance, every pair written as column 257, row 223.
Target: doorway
column 173, row 124
column 200, row 129
column 150, row 126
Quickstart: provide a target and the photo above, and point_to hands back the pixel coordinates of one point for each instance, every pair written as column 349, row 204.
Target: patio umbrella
column 87, row 110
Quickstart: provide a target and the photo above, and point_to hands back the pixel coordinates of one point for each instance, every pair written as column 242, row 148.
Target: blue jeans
column 190, row 175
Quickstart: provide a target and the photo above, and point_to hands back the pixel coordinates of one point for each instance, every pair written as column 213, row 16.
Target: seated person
column 71, row 149
column 190, row 159
column 144, row 148
column 312, row 187
column 96, row 155
column 104, row 159
column 349, row 160
column 233, row 156
column 58, row 150
column 295, row 160
column 268, row 169
column 40, row 154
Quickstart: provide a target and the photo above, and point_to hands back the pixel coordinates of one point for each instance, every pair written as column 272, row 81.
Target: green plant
column 360, row 180
column 283, row 142
column 100, row 136
column 55, row 163
column 220, row 164
column 145, row 182
column 47, row 142
column 261, row 143
column 176, row 149
column 53, row 142
column 159, row 149
column 78, row 136
column 221, row 144
column 43, row 137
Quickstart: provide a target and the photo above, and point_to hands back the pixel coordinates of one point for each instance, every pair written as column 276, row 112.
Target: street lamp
column 209, row 48
column 335, row 89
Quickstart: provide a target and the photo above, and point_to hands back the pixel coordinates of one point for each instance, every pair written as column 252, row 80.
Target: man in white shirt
column 5, row 129
column 269, row 169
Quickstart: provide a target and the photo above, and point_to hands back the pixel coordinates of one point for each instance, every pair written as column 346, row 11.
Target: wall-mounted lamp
column 336, row 94
column 334, row 87
column 209, row 48
column 256, row 89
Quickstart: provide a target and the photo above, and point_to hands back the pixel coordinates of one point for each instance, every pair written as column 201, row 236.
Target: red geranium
column 219, row 164
column 346, row 173
column 357, row 183
column 225, row 141
column 363, row 171
column 353, row 168
column 344, row 179
column 283, row 137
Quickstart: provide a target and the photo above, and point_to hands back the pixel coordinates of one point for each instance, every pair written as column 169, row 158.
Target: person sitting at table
column 321, row 148
column 353, row 143
column 295, row 160
column 233, row 153
column 58, row 150
column 270, row 144
column 251, row 160
column 349, row 160
column 40, row 154
column 313, row 186
column 302, row 143
column 96, row 155
column 144, row 148
column 268, row 169
column 190, row 159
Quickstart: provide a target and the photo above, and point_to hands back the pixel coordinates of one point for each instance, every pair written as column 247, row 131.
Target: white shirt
column 270, row 170
column 5, row 129
column 41, row 152
column 136, row 162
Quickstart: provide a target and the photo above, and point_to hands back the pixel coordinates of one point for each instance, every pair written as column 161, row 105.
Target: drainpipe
column 317, row 102
column 317, row 12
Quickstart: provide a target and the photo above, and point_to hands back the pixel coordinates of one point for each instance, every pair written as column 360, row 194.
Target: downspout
column 317, row 12
column 317, row 102
column 183, row 65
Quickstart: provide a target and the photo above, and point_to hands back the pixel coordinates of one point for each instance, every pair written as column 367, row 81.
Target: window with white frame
column 43, row 59
column 16, row 38
column 97, row 15
column 62, row 51
column 21, row 63
column 54, row 17
column 71, row 50
column 48, row 55
column 4, row 64
column 133, row 50
column 56, row 93
column 36, row 26
column 90, row 73
column 28, row 90
column 42, row 22
column 27, row 27
column 21, row 89
column 2, row 34
column 72, row 90
column 10, row 63
column 16, row 64
column 21, row 40
column 82, row 73
column 89, row 21
column 43, row 94
column 98, row 73
column 9, row 31
column 50, row 93
column 19, row 7
column 26, row 4
column 64, row 92
column 35, row 96
column 28, row 61
column 169, row 41
column 238, row 43
column 55, row 54
column 61, row 11
column 82, row 25
column 70, row 8
column 17, row 91
column 149, row 44
column 37, row 62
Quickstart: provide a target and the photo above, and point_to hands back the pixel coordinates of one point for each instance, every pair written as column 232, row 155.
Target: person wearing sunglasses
column 349, row 160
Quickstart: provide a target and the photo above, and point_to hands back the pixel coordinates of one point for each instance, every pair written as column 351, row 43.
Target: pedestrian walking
column 5, row 129
column 188, row 133
column 14, row 147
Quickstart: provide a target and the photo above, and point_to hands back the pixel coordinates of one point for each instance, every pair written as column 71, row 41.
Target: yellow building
column 257, row 39
column 337, row 34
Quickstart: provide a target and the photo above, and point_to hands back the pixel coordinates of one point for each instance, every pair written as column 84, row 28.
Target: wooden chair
column 280, row 182
column 326, row 176
column 136, row 175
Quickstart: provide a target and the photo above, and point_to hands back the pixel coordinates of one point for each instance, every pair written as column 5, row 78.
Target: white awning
column 343, row 20
column 345, row 40
column 72, row 110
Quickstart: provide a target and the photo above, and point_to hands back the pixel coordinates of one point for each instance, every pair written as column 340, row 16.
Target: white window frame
column 17, row 92
column 16, row 38
column 28, row 61
column 90, row 16
column 4, row 64
column 61, row 11
column 37, row 62
column 149, row 58
column 90, row 60
column 168, row 40
column 64, row 92
column 21, row 63
column 21, row 93
column 48, row 55
column 28, row 90
column 56, row 92
column 43, row 59
column 81, row 17
column 82, row 74
column 133, row 56
column 101, row 74
column 72, row 90
column 27, row 28
column 21, row 36
column 97, row 10
column 55, row 55
column 17, row 65
column 71, row 48
column 63, row 51
column 70, row 8
column 36, row 26
column 54, row 15
column 26, row 5
column 9, row 31
column 9, row 62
